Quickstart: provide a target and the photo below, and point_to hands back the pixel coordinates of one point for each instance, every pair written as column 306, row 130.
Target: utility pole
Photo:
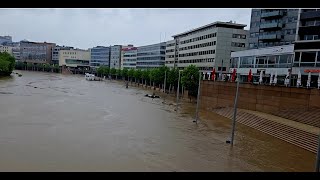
column 198, row 99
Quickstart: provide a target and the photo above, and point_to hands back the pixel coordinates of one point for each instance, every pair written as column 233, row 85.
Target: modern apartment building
column 5, row 39
column 100, row 56
column 151, row 56
column 36, row 52
column 128, row 57
column 74, row 58
column 115, row 56
column 272, row 27
column 307, row 46
column 55, row 53
column 207, row 47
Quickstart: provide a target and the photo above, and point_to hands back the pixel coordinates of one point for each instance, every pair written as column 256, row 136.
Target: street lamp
column 234, row 112
column 198, row 99
column 178, row 91
column 165, row 79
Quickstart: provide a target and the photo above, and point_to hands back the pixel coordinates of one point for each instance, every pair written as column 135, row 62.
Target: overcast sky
column 86, row 28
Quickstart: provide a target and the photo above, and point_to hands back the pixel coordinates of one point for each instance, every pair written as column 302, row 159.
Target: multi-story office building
column 207, row 47
column 7, row 49
column 74, row 58
column 151, row 56
column 128, row 57
column 5, row 39
column 55, row 53
column 307, row 46
column 115, row 56
column 36, row 52
column 100, row 56
column 272, row 27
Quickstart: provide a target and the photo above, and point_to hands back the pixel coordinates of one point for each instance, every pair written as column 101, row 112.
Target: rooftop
column 215, row 24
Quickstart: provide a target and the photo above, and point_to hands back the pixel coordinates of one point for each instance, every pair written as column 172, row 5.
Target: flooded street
column 54, row 122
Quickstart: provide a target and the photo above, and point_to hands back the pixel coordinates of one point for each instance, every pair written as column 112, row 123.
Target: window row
column 152, row 48
column 197, row 60
column 171, row 44
column 198, row 53
column 150, row 63
column 151, row 53
column 236, row 44
column 308, row 58
column 311, row 37
column 271, row 61
column 69, row 53
column 239, row 36
column 169, row 50
column 268, row 44
column 129, row 60
column 130, row 55
column 198, row 46
column 199, row 38
column 150, row 58
column 311, row 23
column 169, row 56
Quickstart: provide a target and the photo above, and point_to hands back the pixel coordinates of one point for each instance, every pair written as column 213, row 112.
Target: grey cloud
column 85, row 28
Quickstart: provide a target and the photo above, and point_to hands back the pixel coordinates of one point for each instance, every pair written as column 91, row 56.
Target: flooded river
column 54, row 122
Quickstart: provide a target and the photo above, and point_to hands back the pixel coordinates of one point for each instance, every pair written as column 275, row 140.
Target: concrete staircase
column 294, row 132
column 310, row 116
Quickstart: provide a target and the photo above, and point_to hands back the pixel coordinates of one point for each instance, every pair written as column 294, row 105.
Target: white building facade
column 271, row 60
column 207, row 47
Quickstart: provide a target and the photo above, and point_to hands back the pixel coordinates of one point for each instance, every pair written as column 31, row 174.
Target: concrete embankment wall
column 298, row 104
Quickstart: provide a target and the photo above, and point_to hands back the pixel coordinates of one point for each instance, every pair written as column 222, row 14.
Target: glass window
column 308, row 37
column 261, row 62
column 296, row 56
column 272, row 61
column 318, row 58
column 246, row 62
column 308, row 57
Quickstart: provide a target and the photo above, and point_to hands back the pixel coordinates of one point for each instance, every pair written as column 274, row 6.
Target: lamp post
column 234, row 112
column 198, row 99
column 318, row 157
column 165, row 79
column 178, row 91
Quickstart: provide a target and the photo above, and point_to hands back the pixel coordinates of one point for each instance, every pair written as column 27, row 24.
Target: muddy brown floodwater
column 54, row 122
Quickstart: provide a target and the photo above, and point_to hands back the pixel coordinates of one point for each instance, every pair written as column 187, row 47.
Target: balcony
column 272, row 14
column 310, row 15
column 270, row 37
column 271, row 25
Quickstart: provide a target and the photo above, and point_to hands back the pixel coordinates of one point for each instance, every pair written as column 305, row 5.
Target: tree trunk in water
column 169, row 88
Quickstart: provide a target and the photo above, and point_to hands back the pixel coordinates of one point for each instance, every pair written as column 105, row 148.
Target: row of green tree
column 7, row 63
column 37, row 67
column 189, row 77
